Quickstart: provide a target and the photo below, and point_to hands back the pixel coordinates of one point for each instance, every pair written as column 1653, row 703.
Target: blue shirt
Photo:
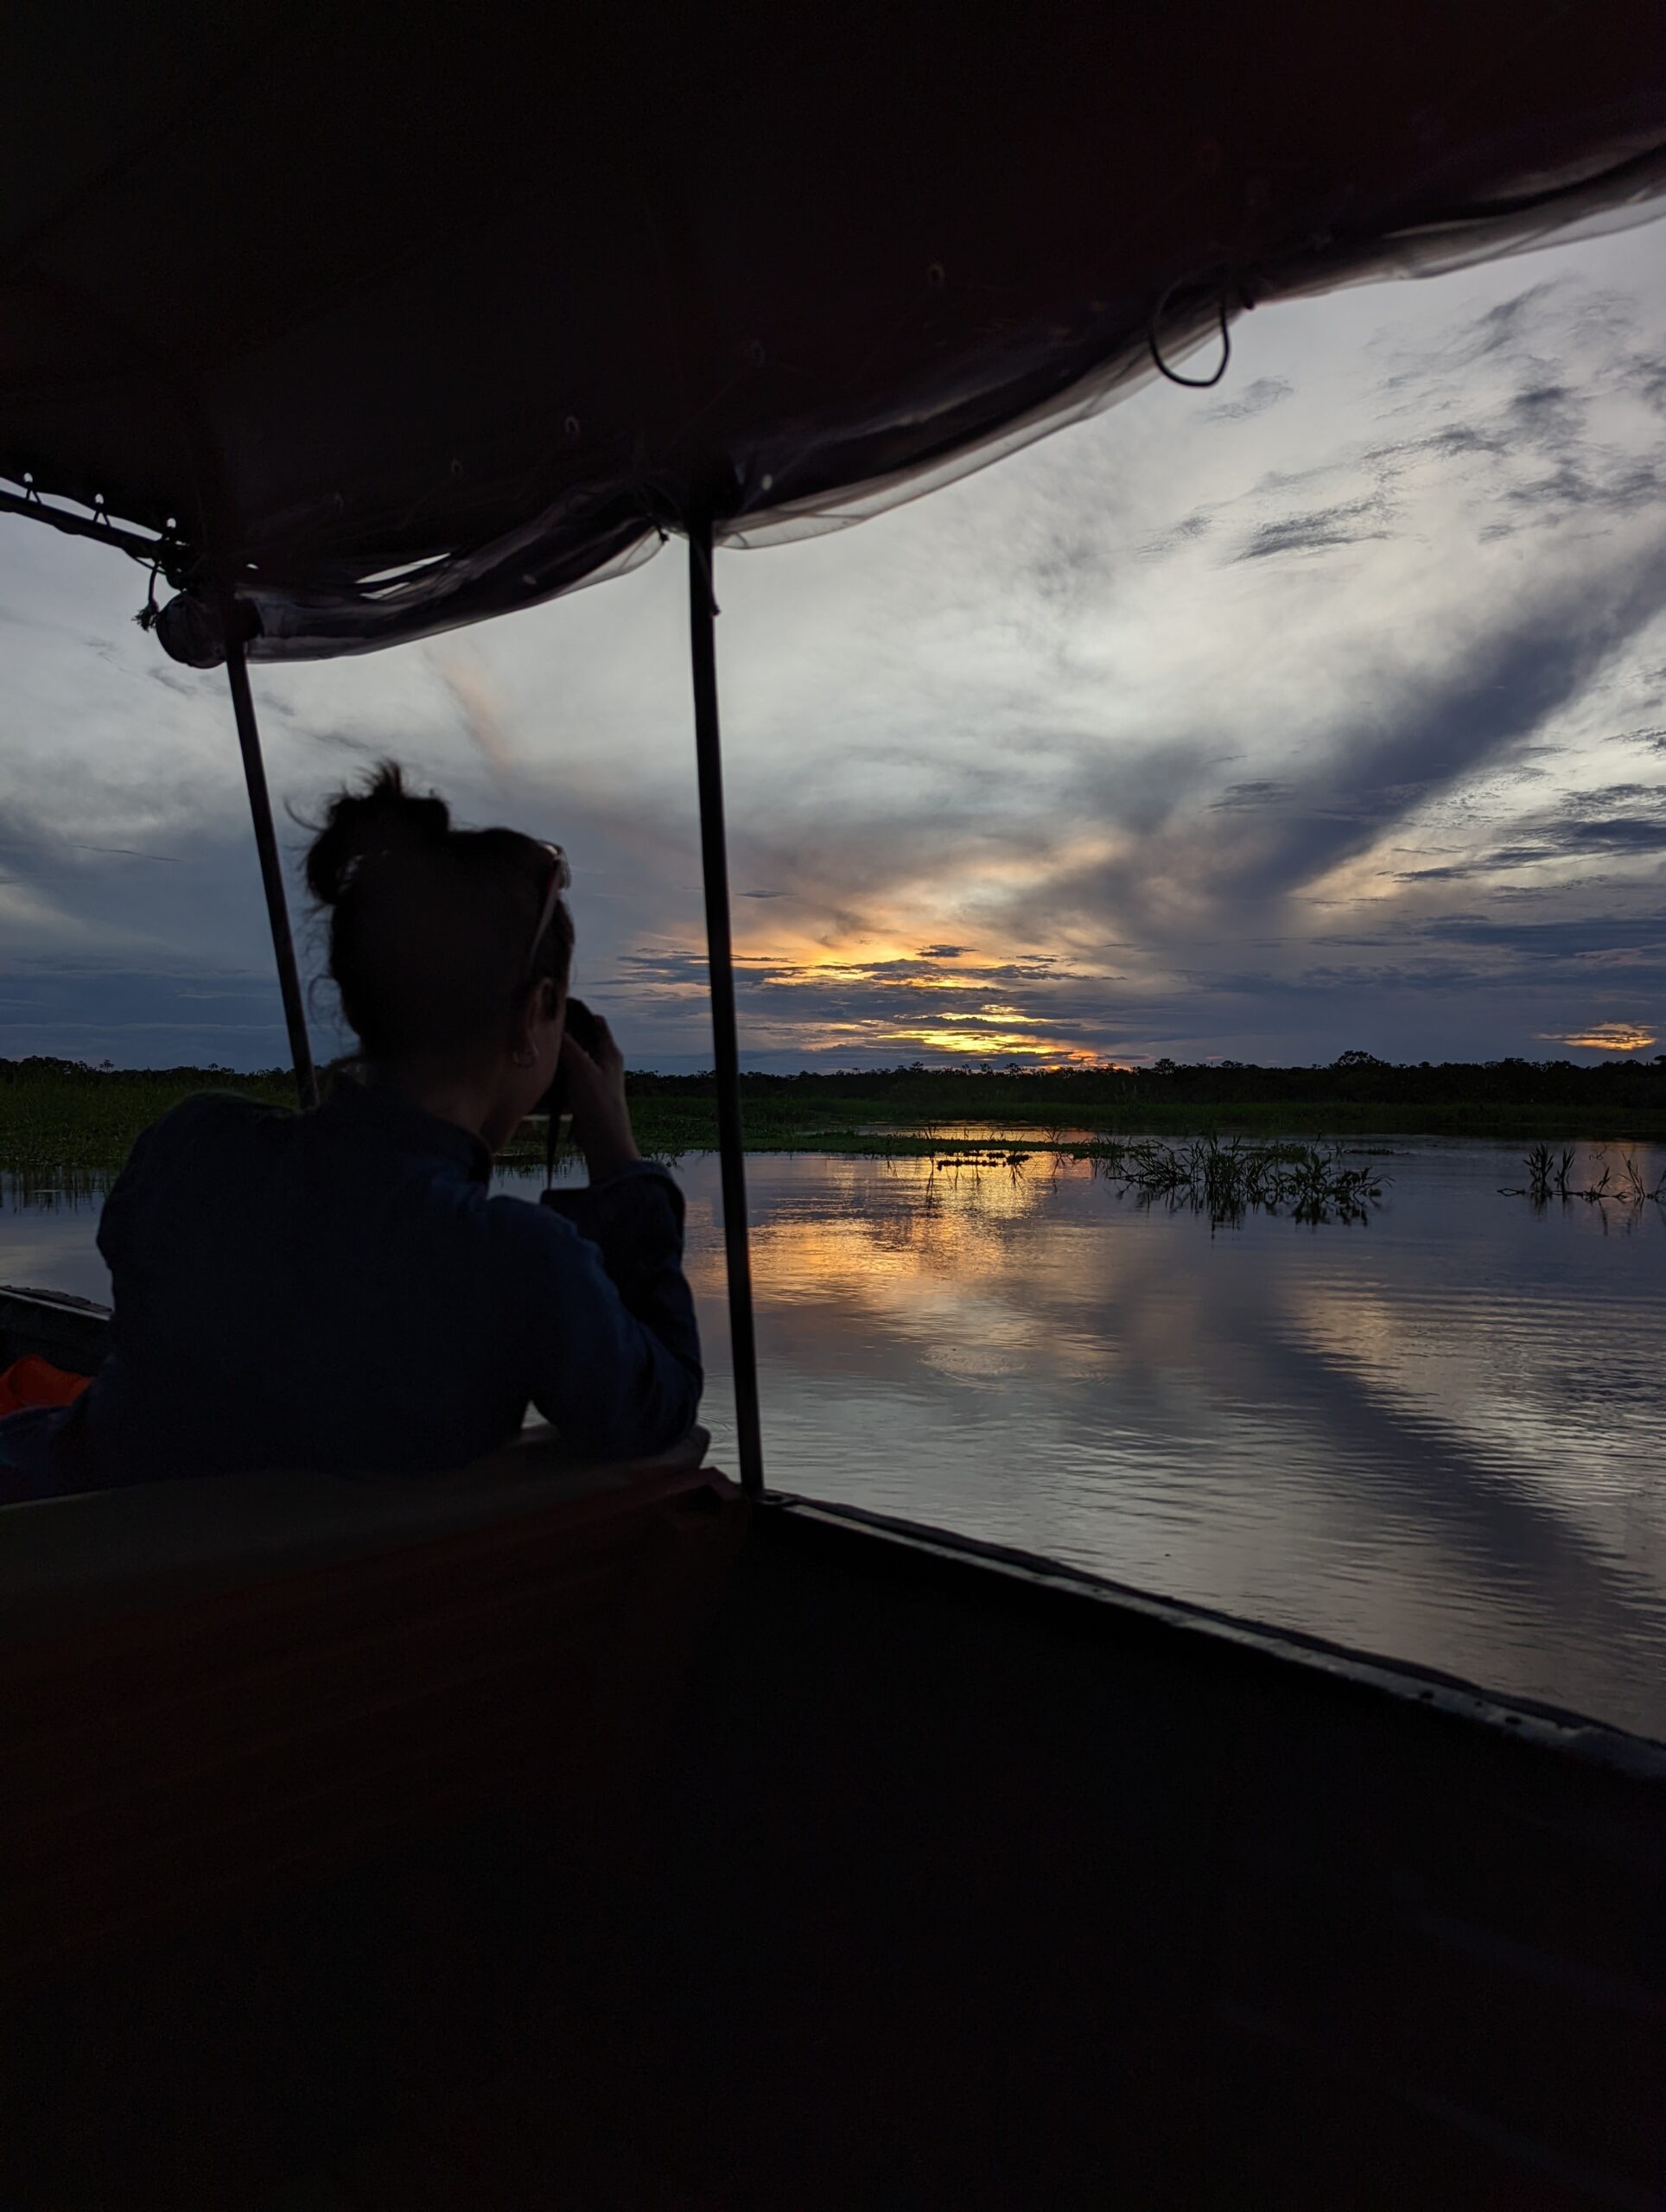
column 339, row 1290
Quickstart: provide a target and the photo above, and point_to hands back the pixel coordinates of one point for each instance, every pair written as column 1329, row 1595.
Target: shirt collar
column 372, row 1111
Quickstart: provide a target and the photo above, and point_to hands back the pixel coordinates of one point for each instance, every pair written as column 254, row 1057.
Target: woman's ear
column 530, row 1016
column 543, row 1004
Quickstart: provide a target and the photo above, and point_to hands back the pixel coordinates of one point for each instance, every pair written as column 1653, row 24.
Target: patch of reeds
column 55, row 1190
column 58, row 1117
column 1547, row 1170
column 1311, row 1182
column 1013, row 1162
column 1623, row 1184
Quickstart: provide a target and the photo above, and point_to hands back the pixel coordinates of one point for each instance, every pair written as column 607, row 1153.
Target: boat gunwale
column 1560, row 1730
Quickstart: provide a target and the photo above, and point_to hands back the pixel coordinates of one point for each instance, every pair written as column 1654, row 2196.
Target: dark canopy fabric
column 397, row 319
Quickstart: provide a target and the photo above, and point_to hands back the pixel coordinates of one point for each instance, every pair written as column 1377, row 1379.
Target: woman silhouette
column 341, row 1290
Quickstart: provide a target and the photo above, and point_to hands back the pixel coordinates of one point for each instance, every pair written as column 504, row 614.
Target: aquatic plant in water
column 1548, row 1171
column 1312, row 1183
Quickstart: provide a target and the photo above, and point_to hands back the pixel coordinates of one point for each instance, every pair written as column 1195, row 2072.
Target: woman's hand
column 595, row 1084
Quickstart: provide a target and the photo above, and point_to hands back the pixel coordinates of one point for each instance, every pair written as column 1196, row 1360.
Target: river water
column 1441, row 1435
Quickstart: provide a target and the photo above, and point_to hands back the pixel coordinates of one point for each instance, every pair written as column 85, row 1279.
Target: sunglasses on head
column 561, row 877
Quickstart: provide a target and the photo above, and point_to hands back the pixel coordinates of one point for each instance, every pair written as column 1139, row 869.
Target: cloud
column 479, row 707
column 1318, row 531
column 1607, row 1037
column 1266, row 792
column 1093, row 752
column 1505, row 858
column 1255, row 399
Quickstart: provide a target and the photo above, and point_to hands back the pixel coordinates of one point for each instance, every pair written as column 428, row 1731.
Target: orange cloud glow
column 1607, row 1037
column 987, row 1044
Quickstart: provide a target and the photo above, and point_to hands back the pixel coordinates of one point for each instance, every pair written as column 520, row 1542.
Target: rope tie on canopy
column 1153, row 328
column 150, row 614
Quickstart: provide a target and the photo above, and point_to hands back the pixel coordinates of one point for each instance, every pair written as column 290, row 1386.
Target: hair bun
column 381, row 817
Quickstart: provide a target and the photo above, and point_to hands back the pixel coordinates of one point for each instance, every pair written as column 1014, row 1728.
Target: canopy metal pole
column 271, row 867
column 714, row 865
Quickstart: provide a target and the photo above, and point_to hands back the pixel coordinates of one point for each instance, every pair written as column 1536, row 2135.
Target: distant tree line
column 40, row 1067
column 1355, row 1078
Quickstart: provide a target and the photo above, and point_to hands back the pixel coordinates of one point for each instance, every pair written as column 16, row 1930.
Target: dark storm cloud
column 1506, row 327
column 1619, row 833
column 1255, row 399
column 1576, row 486
column 882, row 1010
column 1266, row 792
column 1416, row 734
column 1494, row 863
column 1563, row 938
column 1103, row 735
column 170, row 679
column 1615, row 820
column 42, row 843
column 1454, row 441
column 1318, row 531
column 1187, row 532
column 1608, row 798
column 1322, row 980
column 136, row 1018
column 1535, row 411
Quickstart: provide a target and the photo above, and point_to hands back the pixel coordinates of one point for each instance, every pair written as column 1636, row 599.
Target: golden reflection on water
column 968, row 1266
column 1439, row 1437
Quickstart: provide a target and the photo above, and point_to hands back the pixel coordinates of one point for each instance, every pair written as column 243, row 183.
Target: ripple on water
column 1437, row 1436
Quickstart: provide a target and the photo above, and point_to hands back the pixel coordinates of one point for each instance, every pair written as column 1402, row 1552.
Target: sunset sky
column 1325, row 709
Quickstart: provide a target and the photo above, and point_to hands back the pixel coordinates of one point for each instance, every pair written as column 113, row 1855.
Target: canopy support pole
column 713, row 867
column 271, row 867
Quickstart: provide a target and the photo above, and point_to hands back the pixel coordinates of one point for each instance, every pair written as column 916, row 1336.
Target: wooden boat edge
column 1547, row 1727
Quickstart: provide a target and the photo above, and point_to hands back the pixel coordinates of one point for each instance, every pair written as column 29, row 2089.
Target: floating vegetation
column 1547, row 1171
column 1014, row 1161
column 1312, row 1183
column 56, row 1190
column 1549, row 1175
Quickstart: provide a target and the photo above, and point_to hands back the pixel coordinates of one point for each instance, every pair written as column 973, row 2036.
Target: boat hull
column 953, row 1879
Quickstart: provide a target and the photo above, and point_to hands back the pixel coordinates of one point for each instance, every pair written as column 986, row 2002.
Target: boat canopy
column 359, row 323
column 392, row 319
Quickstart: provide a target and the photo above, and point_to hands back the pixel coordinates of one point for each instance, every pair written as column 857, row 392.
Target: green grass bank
column 59, row 1116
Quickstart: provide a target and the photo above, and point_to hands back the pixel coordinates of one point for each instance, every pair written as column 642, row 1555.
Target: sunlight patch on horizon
column 1605, row 1037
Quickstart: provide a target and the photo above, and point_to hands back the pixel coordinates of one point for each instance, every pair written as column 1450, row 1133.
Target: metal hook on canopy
column 714, row 869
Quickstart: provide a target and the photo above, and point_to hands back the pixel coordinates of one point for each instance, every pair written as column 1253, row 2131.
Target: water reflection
column 1439, row 1436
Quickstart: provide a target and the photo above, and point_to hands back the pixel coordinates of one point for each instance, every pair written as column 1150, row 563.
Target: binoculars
column 584, row 1029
